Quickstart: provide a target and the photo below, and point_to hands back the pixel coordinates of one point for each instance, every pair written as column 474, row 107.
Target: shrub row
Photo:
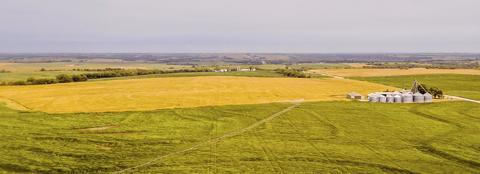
column 67, row 78
column 292, row 73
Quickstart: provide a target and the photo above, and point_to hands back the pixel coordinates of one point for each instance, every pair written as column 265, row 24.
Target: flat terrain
column 392, row 72
column 22, row 71
column 318, row 137
column 156, row 93
column 30, row 67
column 467, row 86
column 258, row 73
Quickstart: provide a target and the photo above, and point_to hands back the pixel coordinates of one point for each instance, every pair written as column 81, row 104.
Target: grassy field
column 467, row 86
column 32, row 67
column 22, row 71
column 258, row 73
column 156, row 93
column 309, row 66
column 392, row 72
column 318, row 137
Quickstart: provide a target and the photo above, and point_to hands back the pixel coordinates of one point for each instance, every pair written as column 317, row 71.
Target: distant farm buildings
column 246, row 69
column 235, row 69
column 354, row 96
column 221, row 70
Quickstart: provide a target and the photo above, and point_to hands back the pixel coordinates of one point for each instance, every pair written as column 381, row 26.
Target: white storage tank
column 390, row 99
column 382, row 99
column 372, row 98
column 397, row 99
column 418, row 98
column 407, row 98
column 428, row 98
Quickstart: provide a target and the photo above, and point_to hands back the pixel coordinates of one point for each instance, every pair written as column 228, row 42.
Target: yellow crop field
column 392, row 72
column 156, row 93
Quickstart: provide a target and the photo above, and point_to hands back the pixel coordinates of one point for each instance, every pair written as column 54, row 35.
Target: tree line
column 68, row 78
column 292, row 73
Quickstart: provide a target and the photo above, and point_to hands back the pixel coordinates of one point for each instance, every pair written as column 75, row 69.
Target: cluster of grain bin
column 399, row 97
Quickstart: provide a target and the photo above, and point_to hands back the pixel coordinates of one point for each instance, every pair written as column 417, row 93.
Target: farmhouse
column 246, row 69
column 221, row 70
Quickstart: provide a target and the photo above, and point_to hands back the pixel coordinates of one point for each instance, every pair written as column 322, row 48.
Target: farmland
column 156, row 93
column 237, row 122
column 392, row 72
column 467, row 86
column 22, row 71
column 319, row 137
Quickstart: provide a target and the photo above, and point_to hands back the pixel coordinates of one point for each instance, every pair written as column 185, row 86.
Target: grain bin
column 390, row 99
column 418, row 98
column 407, row 98
column 397, row 99
column 372, row 98
column 428, row 97
column 382, row 99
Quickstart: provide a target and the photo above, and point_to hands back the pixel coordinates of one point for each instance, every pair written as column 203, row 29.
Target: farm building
column 405, row 96
column 354, row 96
column 246, row 69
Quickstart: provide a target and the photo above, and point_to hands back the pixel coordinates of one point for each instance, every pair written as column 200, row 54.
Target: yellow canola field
column 157, row 93
column 392, row 72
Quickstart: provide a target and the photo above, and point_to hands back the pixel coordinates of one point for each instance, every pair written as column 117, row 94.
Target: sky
column 273, row 26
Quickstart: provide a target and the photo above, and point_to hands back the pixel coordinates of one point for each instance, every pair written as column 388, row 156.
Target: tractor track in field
column 208, row 141
column 335, row 132
column 13, row 104
column 427, row 148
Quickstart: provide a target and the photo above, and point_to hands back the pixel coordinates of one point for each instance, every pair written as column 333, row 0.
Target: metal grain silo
column 407, row 98
column 418, row 98
column 372, row 98
column 382, row 99
column 397, row 99
column 390, row 99
column 428, row 98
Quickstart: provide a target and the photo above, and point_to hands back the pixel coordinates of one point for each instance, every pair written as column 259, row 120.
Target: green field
column 22, row 71
column 317, row 137
column 467, row 86
column 13, row 76
column 258, row 73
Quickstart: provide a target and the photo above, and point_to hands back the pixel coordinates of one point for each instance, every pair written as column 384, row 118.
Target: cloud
column 239, row 26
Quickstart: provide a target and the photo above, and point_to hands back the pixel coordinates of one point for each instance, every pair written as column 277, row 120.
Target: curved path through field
column 296, row 103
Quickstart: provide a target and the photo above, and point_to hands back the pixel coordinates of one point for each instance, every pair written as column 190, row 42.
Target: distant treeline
column 97, row 69
column 138, row 72
column 292, row 73
column 68, row 78
column 428, row 66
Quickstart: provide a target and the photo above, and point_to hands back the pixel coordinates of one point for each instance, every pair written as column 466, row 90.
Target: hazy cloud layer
column 239, row 26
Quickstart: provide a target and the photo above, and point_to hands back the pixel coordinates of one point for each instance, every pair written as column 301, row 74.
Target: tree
column 64, row 78
column 79, row 78
column 436, row 93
